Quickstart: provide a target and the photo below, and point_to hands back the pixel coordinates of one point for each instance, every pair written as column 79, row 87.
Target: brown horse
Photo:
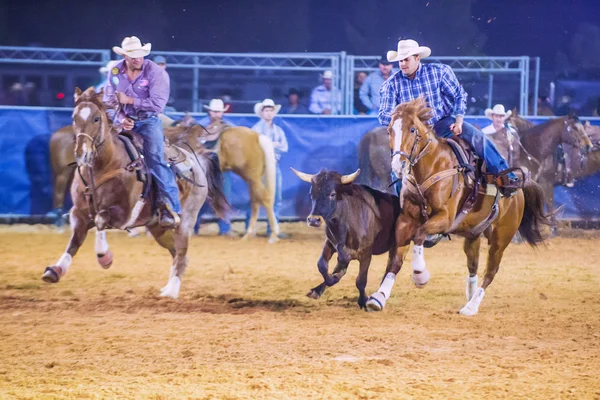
column 62, row 158
column 432, row 196
column 374, row 159
column 540, row 143
column 106, row 193
column 241, row 150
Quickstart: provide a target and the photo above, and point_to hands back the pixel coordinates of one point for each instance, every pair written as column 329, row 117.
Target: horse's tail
column 533, row 214
column 270, row 165
column 364, row 160
column 214, row 178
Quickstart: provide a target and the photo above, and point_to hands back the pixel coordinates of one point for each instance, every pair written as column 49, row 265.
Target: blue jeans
column 152, row 132
column 278, row 200
column 481, row 145
column 224, row 226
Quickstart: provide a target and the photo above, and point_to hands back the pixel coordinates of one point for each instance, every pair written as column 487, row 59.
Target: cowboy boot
column 167, row 218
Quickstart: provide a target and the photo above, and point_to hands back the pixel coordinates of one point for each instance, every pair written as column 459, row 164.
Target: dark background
column 565, row 33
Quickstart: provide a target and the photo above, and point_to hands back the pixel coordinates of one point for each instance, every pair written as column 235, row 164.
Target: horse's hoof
column 432, row 240
column 51, row 275
column 273, row 239
column 313, row 294
column 105, row 260
column 422, row 279
column 376, row 302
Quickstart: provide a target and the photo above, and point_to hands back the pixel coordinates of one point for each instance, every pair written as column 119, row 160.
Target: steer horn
column 305, row 177
column 350, row 178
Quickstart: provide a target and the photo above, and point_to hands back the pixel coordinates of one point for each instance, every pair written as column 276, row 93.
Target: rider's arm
column 452, row 89
column 387, row 103
column 109, row 98
column 159, row 89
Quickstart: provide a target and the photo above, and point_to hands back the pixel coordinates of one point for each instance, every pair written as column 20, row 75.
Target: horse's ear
column 100, row 94
column 515, row 112
column 77, row 94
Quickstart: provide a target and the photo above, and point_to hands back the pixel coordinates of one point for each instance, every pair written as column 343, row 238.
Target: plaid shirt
column 436, row 82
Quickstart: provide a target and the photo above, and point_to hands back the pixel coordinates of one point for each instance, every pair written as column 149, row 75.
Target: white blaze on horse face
column 396, row 164
column 84, row 113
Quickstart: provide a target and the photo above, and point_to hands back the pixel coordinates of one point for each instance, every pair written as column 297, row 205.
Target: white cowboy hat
column 107, row 67
column 217, row 105
column 327, row 75
column 258, row 107
column 498, row 110
column 132, row 47
column 407, row 48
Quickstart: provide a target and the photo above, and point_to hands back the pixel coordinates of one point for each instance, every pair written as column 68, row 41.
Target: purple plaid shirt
column 150, row 90
column 436, row 82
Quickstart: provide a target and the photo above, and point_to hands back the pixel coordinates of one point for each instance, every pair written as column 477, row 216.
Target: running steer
column 359, row 222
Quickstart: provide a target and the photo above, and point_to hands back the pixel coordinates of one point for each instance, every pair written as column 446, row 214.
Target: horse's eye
column 97, row 119
column 412, row 130
column 332, row 195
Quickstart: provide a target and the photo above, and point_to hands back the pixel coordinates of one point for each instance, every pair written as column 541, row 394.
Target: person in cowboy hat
column 445, row 96
column 294, row 106
column 267, row 110
column 498, row 115
column 326, row 99
column 503, row 135
column 215, row 109
column 369, row 91
column 142, row 89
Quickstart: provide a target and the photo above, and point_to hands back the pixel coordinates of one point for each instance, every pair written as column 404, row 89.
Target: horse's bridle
column 413, row 158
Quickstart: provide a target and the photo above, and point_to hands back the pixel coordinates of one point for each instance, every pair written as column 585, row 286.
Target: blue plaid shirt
column 437, row 82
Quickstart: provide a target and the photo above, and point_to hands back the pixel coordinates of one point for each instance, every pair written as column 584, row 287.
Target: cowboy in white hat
column 448, row 102
column 215, row 124
column 325, row 98
column 445, row 96
column 267, row 110
column 142, row 89
column 498, row 115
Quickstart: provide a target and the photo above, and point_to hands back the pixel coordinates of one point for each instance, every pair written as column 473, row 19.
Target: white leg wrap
column 471, row 286
column 418, row 260
column 101, row 246
column 472, row 306
column 64, row 262
column 387, row 284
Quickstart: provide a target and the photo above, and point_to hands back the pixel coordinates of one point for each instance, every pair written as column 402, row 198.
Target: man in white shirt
column 326, row 99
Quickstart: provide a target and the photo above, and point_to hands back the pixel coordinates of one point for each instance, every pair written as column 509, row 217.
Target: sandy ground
column 243, row 328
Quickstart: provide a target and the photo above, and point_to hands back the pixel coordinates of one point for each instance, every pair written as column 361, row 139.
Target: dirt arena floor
column 243, row 328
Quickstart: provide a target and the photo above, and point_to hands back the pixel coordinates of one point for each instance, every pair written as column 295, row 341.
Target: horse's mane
column 417, row 107
column 91, row 96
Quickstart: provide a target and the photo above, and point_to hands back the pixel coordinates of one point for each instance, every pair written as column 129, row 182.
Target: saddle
column 175, row 158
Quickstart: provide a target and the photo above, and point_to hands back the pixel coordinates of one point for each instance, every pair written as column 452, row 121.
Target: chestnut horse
column 106, row 193
column 240, row 149
column 432, row 194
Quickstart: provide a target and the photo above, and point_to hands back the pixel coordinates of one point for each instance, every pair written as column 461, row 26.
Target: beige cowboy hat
column 327, row 75
column 132, row 47
column 407, row 48
column 107, row 67
column 258, row 107
column 498, row 110
column 217, row 105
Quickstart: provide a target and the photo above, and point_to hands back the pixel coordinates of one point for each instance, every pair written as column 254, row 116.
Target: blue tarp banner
column 314, row 143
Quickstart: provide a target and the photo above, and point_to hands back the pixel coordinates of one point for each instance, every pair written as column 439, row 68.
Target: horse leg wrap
column 420, row 274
